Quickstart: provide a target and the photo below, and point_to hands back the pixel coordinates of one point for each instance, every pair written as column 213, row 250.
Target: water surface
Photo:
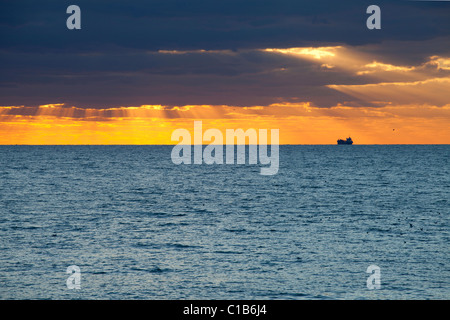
column 140, row 227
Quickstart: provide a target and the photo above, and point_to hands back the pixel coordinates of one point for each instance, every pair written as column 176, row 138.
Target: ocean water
column 140, row 227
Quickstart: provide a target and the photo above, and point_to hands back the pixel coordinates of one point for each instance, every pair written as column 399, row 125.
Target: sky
column 137, row 70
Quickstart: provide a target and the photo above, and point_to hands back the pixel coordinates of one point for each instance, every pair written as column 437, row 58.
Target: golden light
column 413, row 108
column 298, row 124
column 316, row 53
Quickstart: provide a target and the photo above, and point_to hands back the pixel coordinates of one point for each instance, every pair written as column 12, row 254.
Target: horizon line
column 280, row 144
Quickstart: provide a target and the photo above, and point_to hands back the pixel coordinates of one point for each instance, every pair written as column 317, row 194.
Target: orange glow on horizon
column 414, row 108
column 298, row 124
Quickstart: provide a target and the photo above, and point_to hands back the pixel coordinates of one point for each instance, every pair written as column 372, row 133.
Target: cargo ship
column 347, row 141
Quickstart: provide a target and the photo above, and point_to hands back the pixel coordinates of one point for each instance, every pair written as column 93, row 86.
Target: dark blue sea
column 140, row 227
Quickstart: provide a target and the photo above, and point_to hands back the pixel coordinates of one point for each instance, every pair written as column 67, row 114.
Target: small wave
column 236, row 230
column 181, row 246
column 373, row 229
column 155, row 269
column 227, row 252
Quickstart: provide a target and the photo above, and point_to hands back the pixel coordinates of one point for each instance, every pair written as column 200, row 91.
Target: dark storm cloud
column 211, row 24
column 114, row 61
column 219, row 77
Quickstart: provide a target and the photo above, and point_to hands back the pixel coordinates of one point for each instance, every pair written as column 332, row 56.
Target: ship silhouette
column 347, row 141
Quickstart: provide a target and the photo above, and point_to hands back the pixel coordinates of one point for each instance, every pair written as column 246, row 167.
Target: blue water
column 140, row 227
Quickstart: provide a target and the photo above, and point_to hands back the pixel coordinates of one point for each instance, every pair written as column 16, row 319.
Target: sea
column 336, row 222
